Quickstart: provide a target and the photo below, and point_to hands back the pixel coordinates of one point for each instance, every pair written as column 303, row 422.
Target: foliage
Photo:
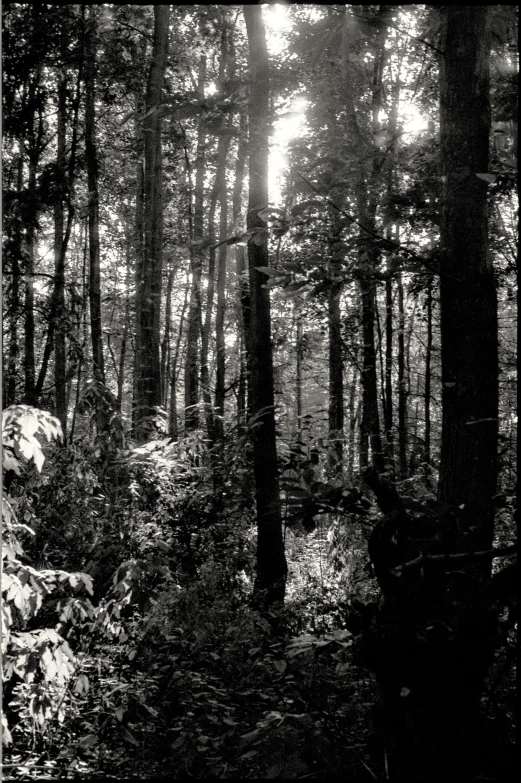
column 38, row 663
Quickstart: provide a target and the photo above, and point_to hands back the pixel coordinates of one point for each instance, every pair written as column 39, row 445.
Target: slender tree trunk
column 139, row 228
column 336, row 379
column 271, row 560
column 173, row 429
column 352, row 411
column 126, row 328
column 427, row 384
column 165, row 345
column 206, row 328
column 370, row 417
column 197, row 255
column 60, row 391
column 29, row 357
column 402, row 385
column 149, row 365
column 220, row 354
column 91, row 155
column 243, row 296
column 15, row 244
column 388, row 409
column 299, row 356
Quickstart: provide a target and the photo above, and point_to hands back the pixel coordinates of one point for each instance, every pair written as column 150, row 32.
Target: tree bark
column 271, row 561
column 165, row 345
column 60, row 392
column 91, row 156
column 149, row 303
column 196, row 260
column 243, row 294
column 469, row 352
column 336, row 378
column 427, row 384
column 220, row 353
column 435, row 631
column 402, row 386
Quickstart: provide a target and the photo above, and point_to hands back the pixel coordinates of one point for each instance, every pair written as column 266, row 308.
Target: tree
column 468, row 471
column 437, row 626
column 148, row 298
column 91, row 155
column 271, row 560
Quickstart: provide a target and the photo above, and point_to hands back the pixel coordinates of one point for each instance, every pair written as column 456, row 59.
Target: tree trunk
column 165, row 345
column 29, row 357
column 196, row 259
column 370, row 417
column 402, row 386
column 336, row 380
column 60, row 392
column 139, row 228
column 469, row 355
column 427, row 384
column 388, row 408
column 271, row 561
column 220, row 355
column 173, row 429
column 436, row 629
column 243, row 295
column 206, row 327
column 149, row 365
column 299, row 356
column 91, row 156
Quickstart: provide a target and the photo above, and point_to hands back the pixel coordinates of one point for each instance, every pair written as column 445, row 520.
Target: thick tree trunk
column 469, row 351
column 196, row 259
column 271, row 561
column 435, row 631
column 91, row 155
column 148, row 304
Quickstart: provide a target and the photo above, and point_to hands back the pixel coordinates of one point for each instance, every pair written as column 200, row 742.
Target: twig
column 458, row 556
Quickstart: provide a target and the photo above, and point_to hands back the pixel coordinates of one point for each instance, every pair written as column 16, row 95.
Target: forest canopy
column 260, row 333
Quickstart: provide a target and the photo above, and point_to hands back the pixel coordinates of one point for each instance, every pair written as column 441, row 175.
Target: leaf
column 249, row 754
column 280, row 666
column 128, row 736
column 490, row 178
column 270, row 271
column 88, row 741
column 28, row 424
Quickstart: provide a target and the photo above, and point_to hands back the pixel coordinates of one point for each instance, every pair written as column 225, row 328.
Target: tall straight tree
column 91, row 156
column 191, row 375
column 469, row 349
column 148, row 295
column 60, row 396
column 271, row 561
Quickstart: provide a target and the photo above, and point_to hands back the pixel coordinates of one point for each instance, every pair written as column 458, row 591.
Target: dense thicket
column 259, row 318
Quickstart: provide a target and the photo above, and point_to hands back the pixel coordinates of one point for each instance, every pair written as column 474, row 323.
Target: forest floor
column 215, row 690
